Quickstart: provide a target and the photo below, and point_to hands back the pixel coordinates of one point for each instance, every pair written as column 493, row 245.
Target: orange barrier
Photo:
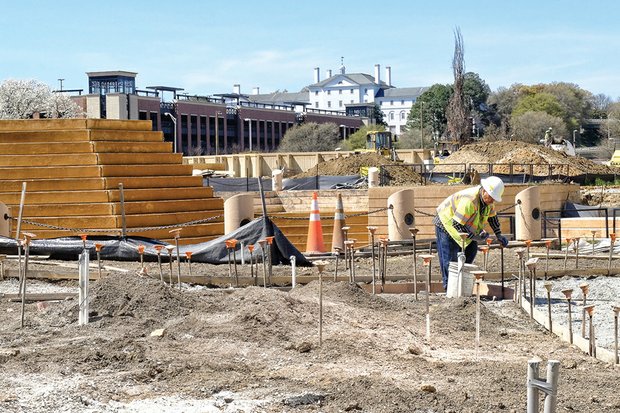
column 314, row 243
column 338, row 234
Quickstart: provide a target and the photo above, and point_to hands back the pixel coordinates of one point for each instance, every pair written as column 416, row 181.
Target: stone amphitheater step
column 91, row 171
column 48, row 148
column 113, row 208
column 79, row 136
column 76, row 197
column 39, row 125
column 73, row 168
column 82, row 184
column 51, row 148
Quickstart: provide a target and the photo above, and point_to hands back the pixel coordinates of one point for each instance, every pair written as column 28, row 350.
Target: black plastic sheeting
column 126, row 249
column 290, row 184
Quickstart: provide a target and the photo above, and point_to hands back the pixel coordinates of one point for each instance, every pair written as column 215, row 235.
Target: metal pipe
column 576, row 240
column 548, row 287
column 612, row 243
column 584, row 290
column 427, row 263
column 170, row 248
column 616, row 309
column 293, row 271
column 569, row 241
column 414, row 232
column 568, row 293
column 374, row 265
column 161, row 270
column 591, row 340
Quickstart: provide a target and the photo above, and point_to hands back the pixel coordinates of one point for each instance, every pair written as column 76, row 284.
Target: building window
column 316, row 93
column 329, row 104
column 352, row 91
column 391, row 115
column 340, row 103
column 391, row 103
column 381, row 103
column 340, row 91
column 351, row 100
column 402, row 102
column 329, row 92
column 402, row 115
column 316, row 105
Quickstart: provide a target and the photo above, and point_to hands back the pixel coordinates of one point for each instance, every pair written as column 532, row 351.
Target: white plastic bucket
column 466, row 280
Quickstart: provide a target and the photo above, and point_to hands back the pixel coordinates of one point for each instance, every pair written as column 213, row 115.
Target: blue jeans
column 447, row 250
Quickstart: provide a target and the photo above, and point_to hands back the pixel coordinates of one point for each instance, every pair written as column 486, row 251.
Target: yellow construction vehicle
column 382, row 142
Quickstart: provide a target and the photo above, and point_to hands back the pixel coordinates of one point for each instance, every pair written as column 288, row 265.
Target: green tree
column 378, row 116
column 357, row 140
column 429, row 109
column 531, row 126
column 539, row 102
column 310, row 137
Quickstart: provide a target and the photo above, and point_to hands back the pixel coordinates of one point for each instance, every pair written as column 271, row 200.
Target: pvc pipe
column 293, row 271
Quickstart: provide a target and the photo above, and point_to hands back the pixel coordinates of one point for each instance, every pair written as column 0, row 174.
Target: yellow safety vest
column 464, row 208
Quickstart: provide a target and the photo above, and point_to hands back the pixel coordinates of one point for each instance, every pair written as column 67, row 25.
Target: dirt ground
column 257, row 349
column 516, row 152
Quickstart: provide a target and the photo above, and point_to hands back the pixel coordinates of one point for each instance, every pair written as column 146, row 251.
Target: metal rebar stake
column 372, row 254
column 616, row 308
column 568, row 294
column 548, row 287
column 531, row 266
column 158, row 249
column 414, row 232
column 427, row 258
column 585, row 288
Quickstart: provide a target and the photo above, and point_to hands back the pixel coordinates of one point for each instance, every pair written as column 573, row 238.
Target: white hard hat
column 494, row 186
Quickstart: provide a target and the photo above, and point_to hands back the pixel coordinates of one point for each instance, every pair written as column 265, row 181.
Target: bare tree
column 458, row 123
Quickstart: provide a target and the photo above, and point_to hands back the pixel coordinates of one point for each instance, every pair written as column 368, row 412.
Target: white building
column 335, row 92
column 338, row 91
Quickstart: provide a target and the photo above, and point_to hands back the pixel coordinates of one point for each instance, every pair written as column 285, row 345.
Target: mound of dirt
column 397, row 174
column 524, row 157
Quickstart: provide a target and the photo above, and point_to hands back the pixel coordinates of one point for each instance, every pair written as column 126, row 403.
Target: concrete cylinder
column 528, row 215
column 5, row 224
column 238, row 211
column 373, row 177
column 402, row 216
column 276, row 180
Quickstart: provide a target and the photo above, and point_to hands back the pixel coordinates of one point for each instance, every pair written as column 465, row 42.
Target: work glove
column 502, row 240
column 483, row 235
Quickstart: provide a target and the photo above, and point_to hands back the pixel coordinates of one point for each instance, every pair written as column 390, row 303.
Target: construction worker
column 467, row 211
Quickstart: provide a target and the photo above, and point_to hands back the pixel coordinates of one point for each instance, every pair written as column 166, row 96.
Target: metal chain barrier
column 107, row 231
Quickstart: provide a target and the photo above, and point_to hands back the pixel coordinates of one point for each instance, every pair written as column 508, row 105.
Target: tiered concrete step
column 73, row 169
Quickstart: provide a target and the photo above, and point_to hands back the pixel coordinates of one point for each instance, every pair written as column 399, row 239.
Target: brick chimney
column 388, row 75
column 377, row 73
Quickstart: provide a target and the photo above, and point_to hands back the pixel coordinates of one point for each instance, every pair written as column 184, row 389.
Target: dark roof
column 281, row 98
column 403, row 92
column 165, row 88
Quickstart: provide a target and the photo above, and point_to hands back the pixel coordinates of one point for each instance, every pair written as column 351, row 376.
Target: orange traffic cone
column 338, row 234
column 314, row 243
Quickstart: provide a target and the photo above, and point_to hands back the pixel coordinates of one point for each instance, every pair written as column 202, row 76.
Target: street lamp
column 574, row 139
column 174, row 121
column 249, row 121
column 421, row 124
column 61, row 80
column 217, row 133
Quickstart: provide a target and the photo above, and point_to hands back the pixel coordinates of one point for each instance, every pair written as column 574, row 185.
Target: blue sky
column 206, row 47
